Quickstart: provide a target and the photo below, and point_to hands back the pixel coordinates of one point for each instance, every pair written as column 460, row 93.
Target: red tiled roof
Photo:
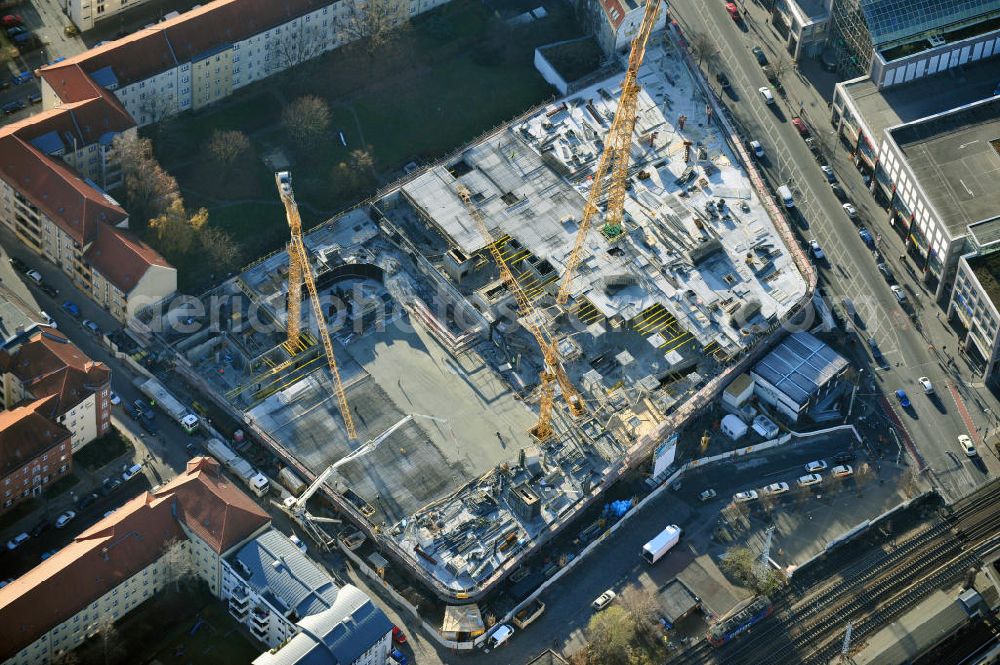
column 55, row 189
column 76, row 124
column 152, row 50
column 215, row 509
column 615, row 11
column 121, row 258
column 25, row 433
column 96, row 561
column 123, row 544
column 48, row 364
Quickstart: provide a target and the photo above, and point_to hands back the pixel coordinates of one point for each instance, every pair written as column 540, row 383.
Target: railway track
column 807, row 624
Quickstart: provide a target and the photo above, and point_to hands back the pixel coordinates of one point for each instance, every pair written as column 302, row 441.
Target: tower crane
column 530, row 317
column 617, row 146
column 296, row 506
column 299, row 270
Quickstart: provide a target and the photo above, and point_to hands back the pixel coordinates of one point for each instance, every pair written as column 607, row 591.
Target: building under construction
column 424, row 324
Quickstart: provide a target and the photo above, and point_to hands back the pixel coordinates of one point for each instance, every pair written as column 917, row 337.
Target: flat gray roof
column 920, row 98
column 954, row 158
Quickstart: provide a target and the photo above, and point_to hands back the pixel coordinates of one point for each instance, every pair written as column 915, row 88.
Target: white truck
column 255, row 480
column 654, row 550
column 161, row 397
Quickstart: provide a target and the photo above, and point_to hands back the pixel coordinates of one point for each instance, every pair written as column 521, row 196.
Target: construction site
column 503, row 326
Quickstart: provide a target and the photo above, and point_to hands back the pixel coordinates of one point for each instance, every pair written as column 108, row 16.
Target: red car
column 734, row 12
column 800, row 126
column 397, row 635
column 11, row 21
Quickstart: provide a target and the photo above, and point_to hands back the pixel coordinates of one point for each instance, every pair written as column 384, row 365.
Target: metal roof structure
column 800, row 366
column 339, row 635
column 278, row 571
column 891, row 20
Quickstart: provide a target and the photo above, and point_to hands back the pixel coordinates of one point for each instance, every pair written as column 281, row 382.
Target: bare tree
column 782, row 65
column 297, row 45
column 177, row 562
column 306, row 119
column 220, row 248
column 227, row 146
column 641, row 606
column 375, row 23
column 149, row 190
column 702, row 47
column 104, row 627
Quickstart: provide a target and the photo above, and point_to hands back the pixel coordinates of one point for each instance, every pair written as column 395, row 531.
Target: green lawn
column 100, row 451
column 455, row 74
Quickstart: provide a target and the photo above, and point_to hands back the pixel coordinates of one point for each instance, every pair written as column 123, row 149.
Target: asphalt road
column 850, row 267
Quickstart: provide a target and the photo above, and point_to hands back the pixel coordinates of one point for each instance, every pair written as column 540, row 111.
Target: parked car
column 35, row 98
column 47, row 320
column 744, row 497
column 115, row 399
column 838, row 191
column 21, row 78
column 398, row 636
column 800, row 126
column 758, row 53
column 49, row 554
column 844, row 457
column 49, row 290
column 904, row 400
column 500, row 636
column 842, row 471
column 398, row 657
column 34, row 276
column 65, row 519
column 88, row 500
column 866, row 236
column 39, row 528
column 707, row 495
column 776, row 488
column 816, row 466
column 71, row 308
column 603, row 600
column 877, row 353
column 111, row 485
column 851, row 211
column 765, row 92
column 886, row 272
column 10, row 20
column 964, row 441
column 15, row 30
column 810, row 479
column 13, row 107
column 723, row 80
column 130, row 472
column 18, row 264
column 828, row 172
column 816, row 250
column 91, row 327
column 17, row 541
column 926, row 384
column 758, row 149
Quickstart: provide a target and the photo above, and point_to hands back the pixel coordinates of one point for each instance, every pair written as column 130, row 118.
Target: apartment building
column 352, row 631
column 616, row 22
column 274, row 588
column 34, row 451
column 192, row 522
column 54, row 169
column 204, row 55
column 86, row 14
column 76, row 390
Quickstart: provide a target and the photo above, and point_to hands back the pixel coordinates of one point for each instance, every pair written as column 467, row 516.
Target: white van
column 654, row 550
column 785, row 195
column 500, row 636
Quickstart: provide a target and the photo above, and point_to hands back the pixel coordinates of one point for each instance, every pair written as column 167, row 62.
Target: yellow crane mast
column 298, row 258
column 530, row 317
column 617, row 145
